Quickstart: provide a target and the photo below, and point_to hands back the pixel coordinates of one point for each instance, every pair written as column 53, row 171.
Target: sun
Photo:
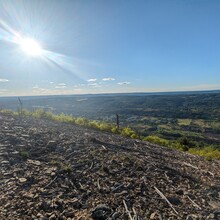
column 31, row 47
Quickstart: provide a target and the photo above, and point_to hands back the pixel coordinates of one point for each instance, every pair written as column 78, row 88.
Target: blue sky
column 109, row 46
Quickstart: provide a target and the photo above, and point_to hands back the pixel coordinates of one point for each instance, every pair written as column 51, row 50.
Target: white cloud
column 124, row 83
column 92, row 80
column 94, row 85
column 108, row 79
column 51, row 82
column 61, row 84
column 60, row 87
column 36, row 87
column 4, row 80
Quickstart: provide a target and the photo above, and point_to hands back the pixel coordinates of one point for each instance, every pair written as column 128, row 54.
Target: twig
column 135, row 214
column 196, row 205
column 81, row 186
column 205, row 171
column 126, row 208
column 167, row 177
column 116, row 188
column 190, row 165
column 98, row 184
column 164, row 197
column 91, row 165
column 51, row 182
column 104, row 147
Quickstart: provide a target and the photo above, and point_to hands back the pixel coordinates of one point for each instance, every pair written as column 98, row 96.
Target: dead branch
column 98, row 184
column 116, row 188
column 196, row 205
column 165, row 198
column 190, row 165
column 126, row 208
column 51, row 182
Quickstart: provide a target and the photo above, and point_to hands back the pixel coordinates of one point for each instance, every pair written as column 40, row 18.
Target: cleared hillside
column 52, row 170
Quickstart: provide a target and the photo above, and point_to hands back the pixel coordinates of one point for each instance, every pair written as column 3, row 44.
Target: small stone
column 53, row 174
column 153, row 216
column 101, row 212
column 22, row 180
column 34, row 162
column 5, row 162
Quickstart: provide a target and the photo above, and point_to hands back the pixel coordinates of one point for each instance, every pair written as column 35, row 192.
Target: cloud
column 51, row 82
column 94, row 85
column 92, row 80
column 4, row 80
column 37, row 89
column 108, row 79
column 60, row 87
column 124, row 83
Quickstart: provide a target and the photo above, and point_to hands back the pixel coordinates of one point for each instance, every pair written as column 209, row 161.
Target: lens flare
column 30, row 47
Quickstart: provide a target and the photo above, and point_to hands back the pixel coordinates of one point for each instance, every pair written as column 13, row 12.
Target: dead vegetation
column 52, row 170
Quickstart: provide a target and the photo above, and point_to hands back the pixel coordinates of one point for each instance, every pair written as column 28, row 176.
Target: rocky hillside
column 52, row 170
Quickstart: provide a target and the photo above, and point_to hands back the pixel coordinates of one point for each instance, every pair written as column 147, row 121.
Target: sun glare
column 30, row 47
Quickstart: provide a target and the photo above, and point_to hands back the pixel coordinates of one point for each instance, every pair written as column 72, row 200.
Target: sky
column 109, row 46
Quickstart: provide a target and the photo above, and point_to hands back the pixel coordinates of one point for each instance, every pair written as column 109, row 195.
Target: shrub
column 24, row 154
column 128, row 132
column 157, row 140
column 208, row 152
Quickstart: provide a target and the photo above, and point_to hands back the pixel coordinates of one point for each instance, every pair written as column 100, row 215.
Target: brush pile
column 51, row 170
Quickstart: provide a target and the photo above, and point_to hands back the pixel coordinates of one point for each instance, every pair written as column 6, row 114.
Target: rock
column 101, row 212
column 22, row 180
column 34, row 162
column 153, row 216
column 5, row 162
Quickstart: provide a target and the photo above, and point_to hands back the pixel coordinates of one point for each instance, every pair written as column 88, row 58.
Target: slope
column 53, row 170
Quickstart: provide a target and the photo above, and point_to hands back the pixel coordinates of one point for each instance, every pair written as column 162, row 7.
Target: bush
column 24, row 154
column 157, row 140
column 128, row 132
column 208, row 152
